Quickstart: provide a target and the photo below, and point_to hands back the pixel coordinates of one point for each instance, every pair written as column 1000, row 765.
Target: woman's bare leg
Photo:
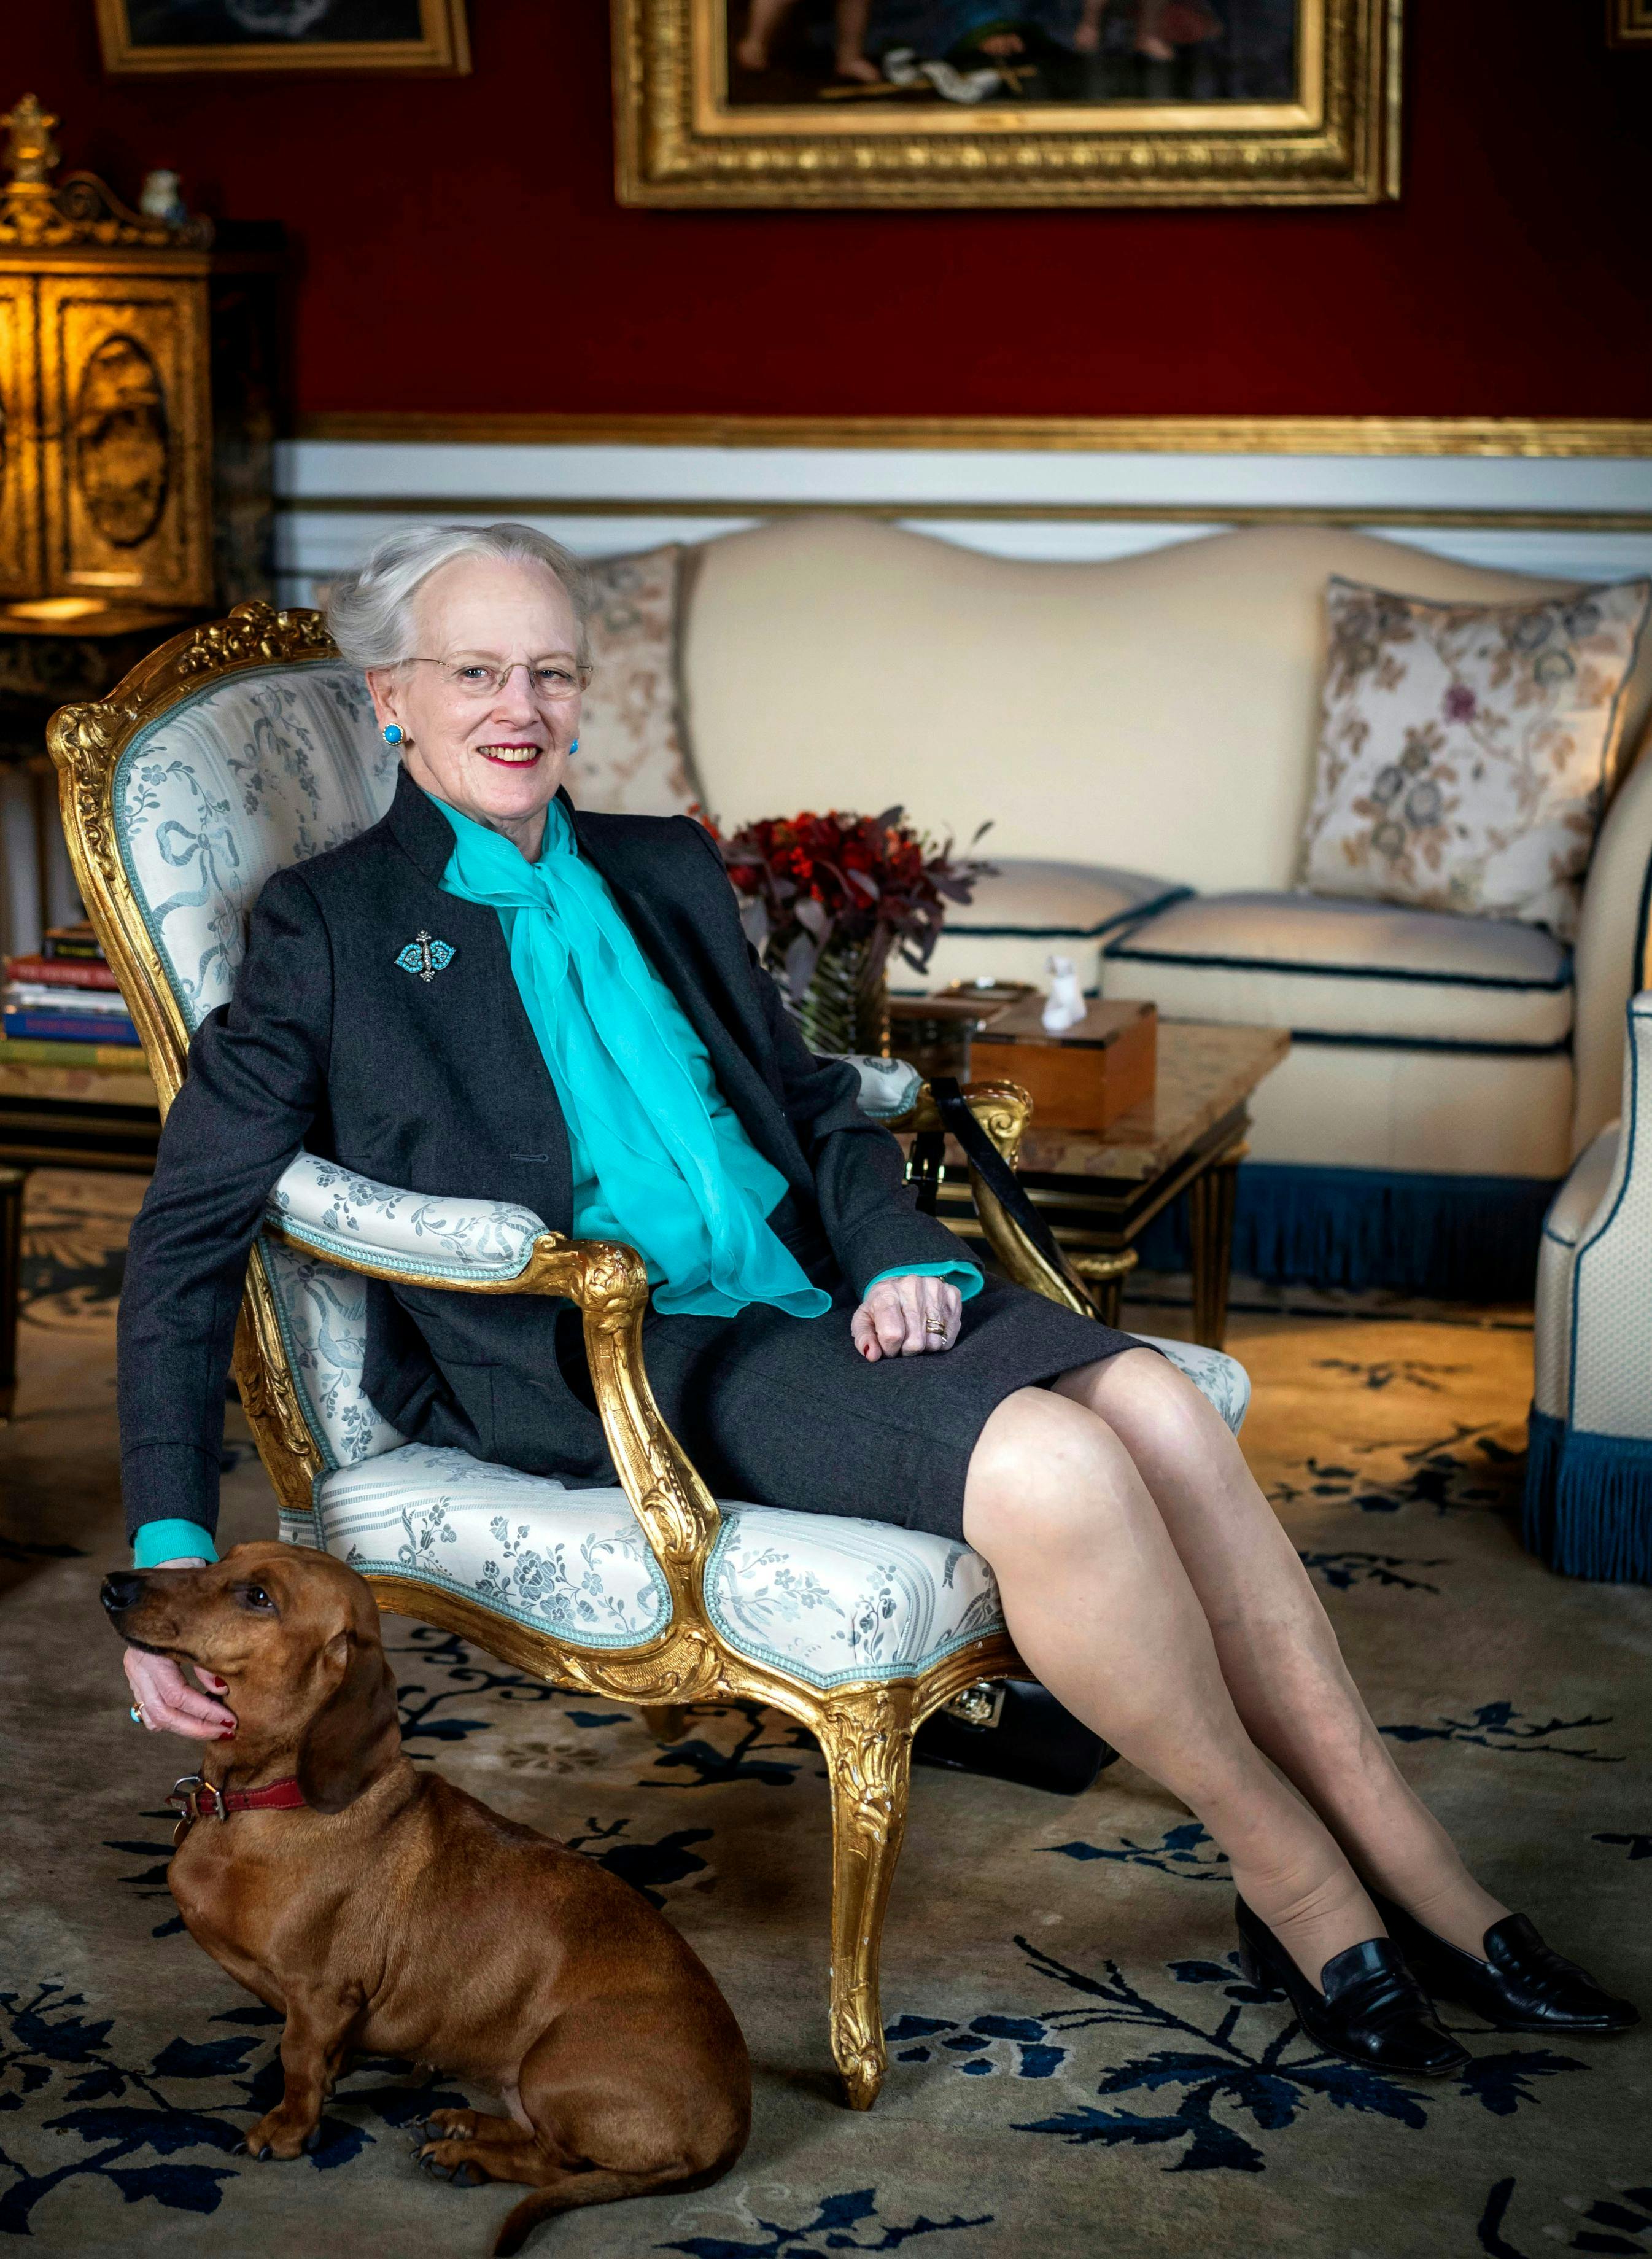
column 1101, row 1607
column 1277, row 1651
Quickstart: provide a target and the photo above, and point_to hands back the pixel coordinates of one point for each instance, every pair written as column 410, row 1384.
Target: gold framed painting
column 1007, row 101
column 1629, row 23
column 142, row 37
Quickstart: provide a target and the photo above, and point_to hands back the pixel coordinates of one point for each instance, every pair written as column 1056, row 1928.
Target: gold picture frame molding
column 442, row 51
column 712, row 115
column 679, row 141
column 1619, row 438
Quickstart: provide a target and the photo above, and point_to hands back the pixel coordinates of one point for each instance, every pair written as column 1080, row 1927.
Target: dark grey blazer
column 439, row 1085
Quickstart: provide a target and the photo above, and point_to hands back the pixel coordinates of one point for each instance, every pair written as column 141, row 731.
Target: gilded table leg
column 865, row 1733
column 11, row 1182
column 1210, row 1204
column 666, row 1721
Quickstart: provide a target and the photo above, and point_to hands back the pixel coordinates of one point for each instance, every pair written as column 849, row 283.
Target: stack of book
column 64, row 1005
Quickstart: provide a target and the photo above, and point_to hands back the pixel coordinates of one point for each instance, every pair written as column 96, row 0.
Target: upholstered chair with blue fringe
column 248, row 744
column 1588, row 1508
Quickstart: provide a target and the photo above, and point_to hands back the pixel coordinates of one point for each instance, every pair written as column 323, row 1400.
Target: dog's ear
column 356, row 1732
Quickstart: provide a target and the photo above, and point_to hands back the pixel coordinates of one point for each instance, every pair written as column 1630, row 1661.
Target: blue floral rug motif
column 1077, row 2064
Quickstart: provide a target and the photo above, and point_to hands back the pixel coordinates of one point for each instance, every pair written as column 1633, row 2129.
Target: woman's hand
column 907, row 1317
column 165, row 1697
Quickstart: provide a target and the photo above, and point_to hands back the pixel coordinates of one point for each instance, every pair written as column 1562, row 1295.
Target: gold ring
column 935, row 1325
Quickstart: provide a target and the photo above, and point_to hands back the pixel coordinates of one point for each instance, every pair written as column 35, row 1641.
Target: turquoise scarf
column 680, row 1180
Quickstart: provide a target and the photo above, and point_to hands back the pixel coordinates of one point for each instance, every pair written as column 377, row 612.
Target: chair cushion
column 1348, row 969
column 825, row 1598
column 1027, row 910
column 1466, row 749
column 229, row 786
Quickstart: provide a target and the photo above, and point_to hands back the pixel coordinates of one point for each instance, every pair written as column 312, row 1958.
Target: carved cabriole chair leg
column 666, row 1721
column 865, row 1735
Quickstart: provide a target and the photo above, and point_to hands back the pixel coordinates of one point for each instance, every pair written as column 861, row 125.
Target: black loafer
column 1521, row 1984
column 1373, row 2010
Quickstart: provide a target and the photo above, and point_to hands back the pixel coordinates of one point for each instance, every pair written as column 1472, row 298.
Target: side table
column 1099, row 1189
column 62, row 1118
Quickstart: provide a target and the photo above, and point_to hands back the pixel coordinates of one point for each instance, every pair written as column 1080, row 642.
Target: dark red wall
column 461, row 248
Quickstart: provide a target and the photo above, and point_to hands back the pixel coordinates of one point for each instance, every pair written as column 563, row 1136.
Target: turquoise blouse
column 679, row 1179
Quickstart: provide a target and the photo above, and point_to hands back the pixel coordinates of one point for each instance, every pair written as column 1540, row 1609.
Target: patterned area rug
column 1076, row 2063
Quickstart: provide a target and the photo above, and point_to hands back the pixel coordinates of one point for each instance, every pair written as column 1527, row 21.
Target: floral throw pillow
column 1465, row 749
column 632, row 760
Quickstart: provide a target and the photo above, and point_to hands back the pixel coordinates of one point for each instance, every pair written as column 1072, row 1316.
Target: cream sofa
column 1140, row 734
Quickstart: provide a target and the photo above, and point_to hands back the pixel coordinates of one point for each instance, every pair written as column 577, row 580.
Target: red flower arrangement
column 812, row 883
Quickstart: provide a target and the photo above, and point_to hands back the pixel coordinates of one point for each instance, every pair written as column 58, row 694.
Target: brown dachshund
column 393, row 1914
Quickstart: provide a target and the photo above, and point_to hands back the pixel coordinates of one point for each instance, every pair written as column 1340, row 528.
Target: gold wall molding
column 444, row 506
column 1148, row 435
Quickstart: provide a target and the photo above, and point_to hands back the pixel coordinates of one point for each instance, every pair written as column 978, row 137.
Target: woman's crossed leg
column 1147, row 1582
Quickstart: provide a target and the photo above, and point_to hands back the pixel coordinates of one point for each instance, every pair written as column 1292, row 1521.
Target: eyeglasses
column 549, row 680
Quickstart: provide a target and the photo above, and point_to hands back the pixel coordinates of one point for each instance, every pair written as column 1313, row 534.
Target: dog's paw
column 451, row 2126
column 445, row 2161
column 277, row 2137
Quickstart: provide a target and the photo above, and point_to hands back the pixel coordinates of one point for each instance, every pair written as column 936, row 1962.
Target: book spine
column 51, row 972
column 26, row 1050
column 41, row 996
column 72, row 952
column 65, row 1028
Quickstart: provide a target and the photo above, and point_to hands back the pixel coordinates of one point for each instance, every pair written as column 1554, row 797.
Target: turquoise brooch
column 425, row 956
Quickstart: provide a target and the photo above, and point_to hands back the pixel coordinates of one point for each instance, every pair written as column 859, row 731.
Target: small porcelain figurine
column 162, row 197
column 1066, row 1006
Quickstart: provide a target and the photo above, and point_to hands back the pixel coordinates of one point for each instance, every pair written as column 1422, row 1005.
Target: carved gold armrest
column 608, row 1283
column 1004, row 1111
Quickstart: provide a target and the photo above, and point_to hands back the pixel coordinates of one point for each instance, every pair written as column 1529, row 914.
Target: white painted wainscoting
column 1583, row 516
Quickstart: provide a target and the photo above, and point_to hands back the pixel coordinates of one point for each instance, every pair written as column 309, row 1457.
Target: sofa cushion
column 631, row 759
column 1466, row 749
column 1350, row 969
column 1027, row 910
column 1157, row 711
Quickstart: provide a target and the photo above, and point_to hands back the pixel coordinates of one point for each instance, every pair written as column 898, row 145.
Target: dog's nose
column 122, row 1590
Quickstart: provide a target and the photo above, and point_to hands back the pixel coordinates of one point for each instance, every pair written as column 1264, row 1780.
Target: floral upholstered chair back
column 267, row 769
column 256, row 770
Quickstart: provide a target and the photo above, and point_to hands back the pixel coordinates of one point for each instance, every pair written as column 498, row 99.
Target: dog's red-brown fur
column 397, row 1916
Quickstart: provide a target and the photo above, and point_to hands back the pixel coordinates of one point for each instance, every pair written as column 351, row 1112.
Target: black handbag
column 1014, row 1729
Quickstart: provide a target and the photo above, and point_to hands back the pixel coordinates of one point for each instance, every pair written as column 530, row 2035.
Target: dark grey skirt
column 786, row 1412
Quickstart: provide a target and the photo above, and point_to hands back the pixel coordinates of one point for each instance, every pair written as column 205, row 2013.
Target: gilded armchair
column 242, row 746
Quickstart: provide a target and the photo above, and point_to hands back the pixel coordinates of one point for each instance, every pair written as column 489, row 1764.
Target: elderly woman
column 601, row 1047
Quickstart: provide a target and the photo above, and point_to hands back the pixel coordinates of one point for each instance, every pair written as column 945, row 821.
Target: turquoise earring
column 393, row 733
column 573, row 748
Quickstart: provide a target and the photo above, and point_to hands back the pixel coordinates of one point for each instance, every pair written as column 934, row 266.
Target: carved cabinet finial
column 32, row 153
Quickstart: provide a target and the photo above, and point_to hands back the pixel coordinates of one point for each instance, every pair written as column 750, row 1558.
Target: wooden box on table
column 1087, row 1077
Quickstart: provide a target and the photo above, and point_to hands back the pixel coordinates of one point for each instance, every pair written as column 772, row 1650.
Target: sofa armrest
column 1608, row 1320
column 487, row 1247
column 1614, row 949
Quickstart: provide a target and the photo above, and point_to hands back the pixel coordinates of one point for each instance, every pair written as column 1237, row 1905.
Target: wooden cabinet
column 117, row 503
column 108, row 443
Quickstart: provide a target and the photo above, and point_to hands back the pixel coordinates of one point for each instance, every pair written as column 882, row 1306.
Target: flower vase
column 845, row 1007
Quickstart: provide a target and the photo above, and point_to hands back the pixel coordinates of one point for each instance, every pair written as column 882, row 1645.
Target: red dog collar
column 201, row 1800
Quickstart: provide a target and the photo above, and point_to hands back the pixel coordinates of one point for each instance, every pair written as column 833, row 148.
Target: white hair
column 370, row 611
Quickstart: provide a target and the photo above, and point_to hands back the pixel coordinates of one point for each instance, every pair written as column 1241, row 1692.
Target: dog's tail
column 595, row 2185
